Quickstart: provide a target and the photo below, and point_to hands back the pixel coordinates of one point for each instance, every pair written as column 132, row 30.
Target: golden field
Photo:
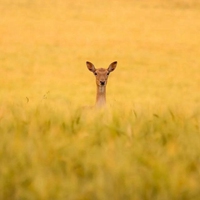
column 144, row 145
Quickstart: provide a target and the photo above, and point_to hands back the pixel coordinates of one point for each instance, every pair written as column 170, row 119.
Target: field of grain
column 144, row 145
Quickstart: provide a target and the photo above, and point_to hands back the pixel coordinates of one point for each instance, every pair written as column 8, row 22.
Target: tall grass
column 82, row 154
column 144, row 145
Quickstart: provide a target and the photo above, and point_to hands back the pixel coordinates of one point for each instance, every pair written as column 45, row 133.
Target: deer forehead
column 101, row 71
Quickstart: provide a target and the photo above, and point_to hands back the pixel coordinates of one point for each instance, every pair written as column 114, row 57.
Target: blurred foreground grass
column 145, row 145
column 46, row 153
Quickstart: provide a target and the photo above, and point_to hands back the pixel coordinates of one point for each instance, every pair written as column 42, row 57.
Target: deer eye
column 108, row 73
column 95, row 73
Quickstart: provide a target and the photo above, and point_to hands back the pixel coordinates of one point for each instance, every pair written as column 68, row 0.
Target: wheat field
column 144, row 145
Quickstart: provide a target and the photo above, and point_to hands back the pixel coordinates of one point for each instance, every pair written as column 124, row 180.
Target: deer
column 101, row 75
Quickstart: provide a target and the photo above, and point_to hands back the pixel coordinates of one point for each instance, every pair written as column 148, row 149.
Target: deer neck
column 101, row 96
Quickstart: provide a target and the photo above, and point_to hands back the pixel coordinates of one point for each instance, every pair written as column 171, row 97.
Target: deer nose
column 102, row 82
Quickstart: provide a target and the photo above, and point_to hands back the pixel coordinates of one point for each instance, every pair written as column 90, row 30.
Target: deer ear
column 112, row 66
column 90, row 66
